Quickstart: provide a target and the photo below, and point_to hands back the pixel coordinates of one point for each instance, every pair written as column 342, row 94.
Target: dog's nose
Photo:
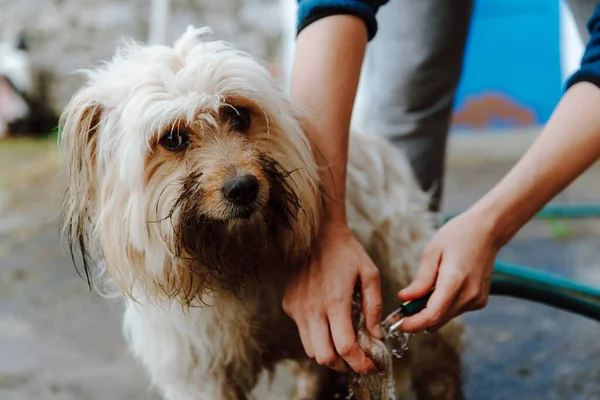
column 241, row 190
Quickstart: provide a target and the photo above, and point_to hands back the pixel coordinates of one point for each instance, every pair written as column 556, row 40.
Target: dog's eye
column 240, row 118
column 175, row 140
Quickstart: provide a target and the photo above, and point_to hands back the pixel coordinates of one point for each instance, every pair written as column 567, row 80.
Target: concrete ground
column 58, row 341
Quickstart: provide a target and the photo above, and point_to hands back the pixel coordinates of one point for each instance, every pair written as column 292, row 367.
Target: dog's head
column 189, row 170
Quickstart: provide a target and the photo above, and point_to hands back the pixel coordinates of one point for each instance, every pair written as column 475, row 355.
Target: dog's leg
column 192, row 382
column 314, row 382
column 379, row 385
column 436, row 366
column 334, row 385
column 207, row 390
column 182, row 366
column 308, row 379
column 403, row 379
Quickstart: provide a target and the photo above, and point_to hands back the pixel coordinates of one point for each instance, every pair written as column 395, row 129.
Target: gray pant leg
column 582, row 10
column 413, row 67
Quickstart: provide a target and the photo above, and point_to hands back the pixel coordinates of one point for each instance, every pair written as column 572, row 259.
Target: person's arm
column 310, row 11
column 329, row 53
column 327, row 66
column 325, row 76
column 332, row 38
column 459, row 260
column 568, row 146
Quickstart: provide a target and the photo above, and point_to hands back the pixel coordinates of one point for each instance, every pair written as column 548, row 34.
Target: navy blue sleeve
column 310, row 11
column 590, row 63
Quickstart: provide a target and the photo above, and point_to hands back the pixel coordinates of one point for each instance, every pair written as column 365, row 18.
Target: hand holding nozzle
column 406, row 309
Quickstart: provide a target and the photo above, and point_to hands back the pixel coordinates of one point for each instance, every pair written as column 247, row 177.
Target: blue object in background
column 512, row 71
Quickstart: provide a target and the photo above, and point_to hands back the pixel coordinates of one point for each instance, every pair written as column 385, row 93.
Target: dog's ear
column 78, row 129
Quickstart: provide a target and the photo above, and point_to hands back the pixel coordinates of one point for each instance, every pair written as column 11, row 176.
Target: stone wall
column 65, row 35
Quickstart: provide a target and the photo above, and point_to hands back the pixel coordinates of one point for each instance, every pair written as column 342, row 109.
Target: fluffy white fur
column 198, row 331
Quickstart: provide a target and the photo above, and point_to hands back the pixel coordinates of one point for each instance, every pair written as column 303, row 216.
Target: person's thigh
column 582, row 10
column 413, row 66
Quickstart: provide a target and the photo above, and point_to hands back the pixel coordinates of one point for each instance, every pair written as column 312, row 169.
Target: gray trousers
column 413, row 67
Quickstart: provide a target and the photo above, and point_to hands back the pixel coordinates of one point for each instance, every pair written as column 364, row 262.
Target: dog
column 194, row 192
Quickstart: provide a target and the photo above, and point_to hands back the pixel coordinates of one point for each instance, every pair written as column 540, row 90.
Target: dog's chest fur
column 245, row 333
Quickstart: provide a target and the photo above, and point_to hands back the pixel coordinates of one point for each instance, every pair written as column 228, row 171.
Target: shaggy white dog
column 193, row 189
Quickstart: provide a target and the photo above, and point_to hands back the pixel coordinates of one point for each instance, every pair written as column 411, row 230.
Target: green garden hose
column 526, row 289
column 546, row 294
column 528, row 274
column 571, row 211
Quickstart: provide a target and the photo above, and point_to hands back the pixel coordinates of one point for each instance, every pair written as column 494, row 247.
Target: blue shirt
column 590, row 62
column 310, row 11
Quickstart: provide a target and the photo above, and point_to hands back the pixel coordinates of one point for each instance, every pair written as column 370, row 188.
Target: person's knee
column 414, row 64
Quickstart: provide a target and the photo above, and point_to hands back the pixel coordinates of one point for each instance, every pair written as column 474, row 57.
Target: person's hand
column 319, row 300
column 458, row 263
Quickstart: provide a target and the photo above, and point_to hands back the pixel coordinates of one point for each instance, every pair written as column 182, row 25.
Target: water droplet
column 354, row 381
column 397, row 341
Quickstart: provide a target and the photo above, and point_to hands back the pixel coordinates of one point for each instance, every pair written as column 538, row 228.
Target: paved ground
column 60, row 342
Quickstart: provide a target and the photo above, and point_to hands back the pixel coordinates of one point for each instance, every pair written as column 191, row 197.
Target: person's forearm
column 567, row 146
column 326, row 71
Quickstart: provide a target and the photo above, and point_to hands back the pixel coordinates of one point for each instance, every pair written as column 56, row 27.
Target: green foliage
column 560, row 229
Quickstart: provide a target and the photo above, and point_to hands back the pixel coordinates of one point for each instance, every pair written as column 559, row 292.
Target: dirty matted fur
column 152, row 142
